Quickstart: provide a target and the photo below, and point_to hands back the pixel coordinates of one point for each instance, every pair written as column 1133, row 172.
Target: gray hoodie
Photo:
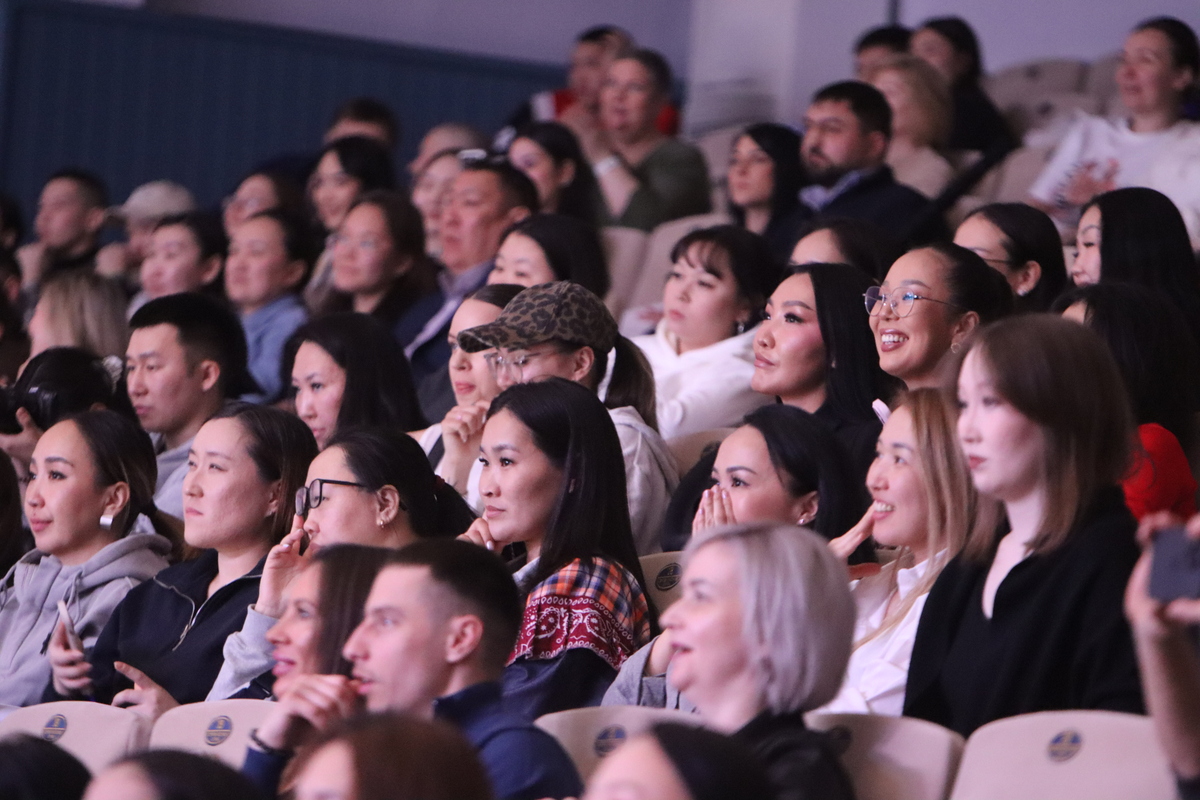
column 29, row 599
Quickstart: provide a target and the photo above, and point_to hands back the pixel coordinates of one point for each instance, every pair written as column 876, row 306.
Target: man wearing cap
column 564, row 330
column 147, row 205
column 186, row 356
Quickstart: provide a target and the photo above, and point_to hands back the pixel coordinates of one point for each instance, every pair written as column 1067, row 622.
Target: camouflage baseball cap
column 560, row 310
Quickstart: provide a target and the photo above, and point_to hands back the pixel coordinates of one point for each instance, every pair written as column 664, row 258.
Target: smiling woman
column 90, row 477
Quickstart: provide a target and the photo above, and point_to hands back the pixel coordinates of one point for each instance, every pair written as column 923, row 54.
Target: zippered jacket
column 29, row 598
column 171, row 630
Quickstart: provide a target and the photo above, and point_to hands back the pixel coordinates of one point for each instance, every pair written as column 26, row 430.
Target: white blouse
column 701, row 389
column 878, row 670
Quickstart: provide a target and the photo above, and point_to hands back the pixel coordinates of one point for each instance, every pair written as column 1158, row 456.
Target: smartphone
column 1175, row 568
column 72, row 637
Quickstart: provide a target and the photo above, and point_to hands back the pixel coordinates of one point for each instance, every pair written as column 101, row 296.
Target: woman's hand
column 146, row 699
column 19, row 446
column 461, row 431
column 1147, row 616
column 716, row 508
column 1087, row 181
column 660, row 654
column 479, row 533
column 848, row 542
column 284, row 562
column 310, row 703
column 70, row 672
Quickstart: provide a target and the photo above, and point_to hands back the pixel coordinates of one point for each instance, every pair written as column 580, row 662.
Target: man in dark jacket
column 846, row 132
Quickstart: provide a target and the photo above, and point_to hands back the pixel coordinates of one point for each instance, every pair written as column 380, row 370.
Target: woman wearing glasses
column 163, row 644
column 369, row 487
column 930, row 301
column 1021, row 243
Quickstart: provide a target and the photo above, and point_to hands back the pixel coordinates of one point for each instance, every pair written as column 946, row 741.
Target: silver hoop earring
column 954, row 348
column 106, row 522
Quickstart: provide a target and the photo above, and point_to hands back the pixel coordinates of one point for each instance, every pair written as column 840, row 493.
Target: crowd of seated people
column 375, row 452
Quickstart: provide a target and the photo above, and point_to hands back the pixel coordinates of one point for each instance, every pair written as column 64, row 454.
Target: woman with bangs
column 1029, row 616
column 702, row 350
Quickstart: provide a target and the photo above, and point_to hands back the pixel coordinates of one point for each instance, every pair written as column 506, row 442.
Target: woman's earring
column 741, row 327
column 106, row 522
column 955, row 347
column 804, row 521
column 380, row 522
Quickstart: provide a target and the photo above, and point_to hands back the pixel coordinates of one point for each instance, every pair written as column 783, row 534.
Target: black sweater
column 801, row 764
column 1057, row 638
column 168, row 629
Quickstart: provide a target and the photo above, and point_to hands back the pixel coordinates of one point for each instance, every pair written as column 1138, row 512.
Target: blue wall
column 135, row 95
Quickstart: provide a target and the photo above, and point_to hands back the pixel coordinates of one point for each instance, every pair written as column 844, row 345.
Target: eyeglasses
column 901, row 304
column 309, row 497
column 513, row 365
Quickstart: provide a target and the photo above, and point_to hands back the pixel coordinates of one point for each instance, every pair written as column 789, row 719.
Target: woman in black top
column 1031, row 619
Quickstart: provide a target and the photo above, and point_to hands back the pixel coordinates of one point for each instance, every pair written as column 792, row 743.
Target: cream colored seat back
column 220, row 729
column 589, row 734
column 625, row 250
column 1065, row 755
column 656, row 264
column 664, row 573
column 894, row 757
column 95, row 733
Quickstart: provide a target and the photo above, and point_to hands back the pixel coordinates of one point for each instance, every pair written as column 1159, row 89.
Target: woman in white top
column 925, row 506
column 1153, row 146
column 702, row 352
column 922, row 114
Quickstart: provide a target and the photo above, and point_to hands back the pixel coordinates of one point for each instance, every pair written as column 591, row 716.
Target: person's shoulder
column 677, row 151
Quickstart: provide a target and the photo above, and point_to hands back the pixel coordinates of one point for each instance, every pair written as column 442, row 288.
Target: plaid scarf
column 598, row 606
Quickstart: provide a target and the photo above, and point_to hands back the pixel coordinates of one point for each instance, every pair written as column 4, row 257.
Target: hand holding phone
column 1175, row 568
column 72, row 637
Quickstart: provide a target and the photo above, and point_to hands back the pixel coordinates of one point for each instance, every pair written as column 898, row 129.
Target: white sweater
column 701, row 389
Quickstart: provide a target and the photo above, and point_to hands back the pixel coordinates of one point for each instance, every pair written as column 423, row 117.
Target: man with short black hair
column 439, row 625
column 186, row 357
column 487, row 197
column 364, row 116
column 876, row 46
column 846, row 133
column 72, row 209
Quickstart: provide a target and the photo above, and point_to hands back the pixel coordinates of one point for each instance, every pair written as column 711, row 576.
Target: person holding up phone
column 1163, row 607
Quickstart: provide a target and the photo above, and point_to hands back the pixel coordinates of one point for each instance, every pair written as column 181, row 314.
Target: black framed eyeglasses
column 309, row 497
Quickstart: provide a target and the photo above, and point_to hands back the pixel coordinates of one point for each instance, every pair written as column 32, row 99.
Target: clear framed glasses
column 309, row 497
column 901, row 303
column 513, row 365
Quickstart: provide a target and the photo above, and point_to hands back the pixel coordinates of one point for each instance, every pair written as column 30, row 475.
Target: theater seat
column 1019, row 171
column 220, row 729
column 656, row 263
column 687, row 449
column 589, row 734
column 894, row 757
column 1065, row 755
column 663, row 572
column 625, row 250
column 95, row 733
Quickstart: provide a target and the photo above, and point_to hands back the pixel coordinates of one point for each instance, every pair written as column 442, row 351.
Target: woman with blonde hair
column 926, row 508
column 761, row 636
column 80, row 309
column 922, row 115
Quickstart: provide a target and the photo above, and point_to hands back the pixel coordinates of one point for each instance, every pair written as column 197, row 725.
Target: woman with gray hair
column 760, row 636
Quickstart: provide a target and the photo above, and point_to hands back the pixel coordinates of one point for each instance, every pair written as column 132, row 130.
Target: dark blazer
column 894, row 207
column 801, row 764
column 1057, row 639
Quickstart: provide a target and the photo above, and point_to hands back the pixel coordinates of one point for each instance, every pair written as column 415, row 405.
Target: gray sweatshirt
column 29, row 599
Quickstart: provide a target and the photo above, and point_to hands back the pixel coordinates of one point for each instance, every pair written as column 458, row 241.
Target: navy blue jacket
column 171, row 630
column 522, row 761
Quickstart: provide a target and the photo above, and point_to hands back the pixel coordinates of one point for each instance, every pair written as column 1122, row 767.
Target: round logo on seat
column 220, row 729
column 668, row 577
column 56, row 726
column 609, row 739
column 1064, row 746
